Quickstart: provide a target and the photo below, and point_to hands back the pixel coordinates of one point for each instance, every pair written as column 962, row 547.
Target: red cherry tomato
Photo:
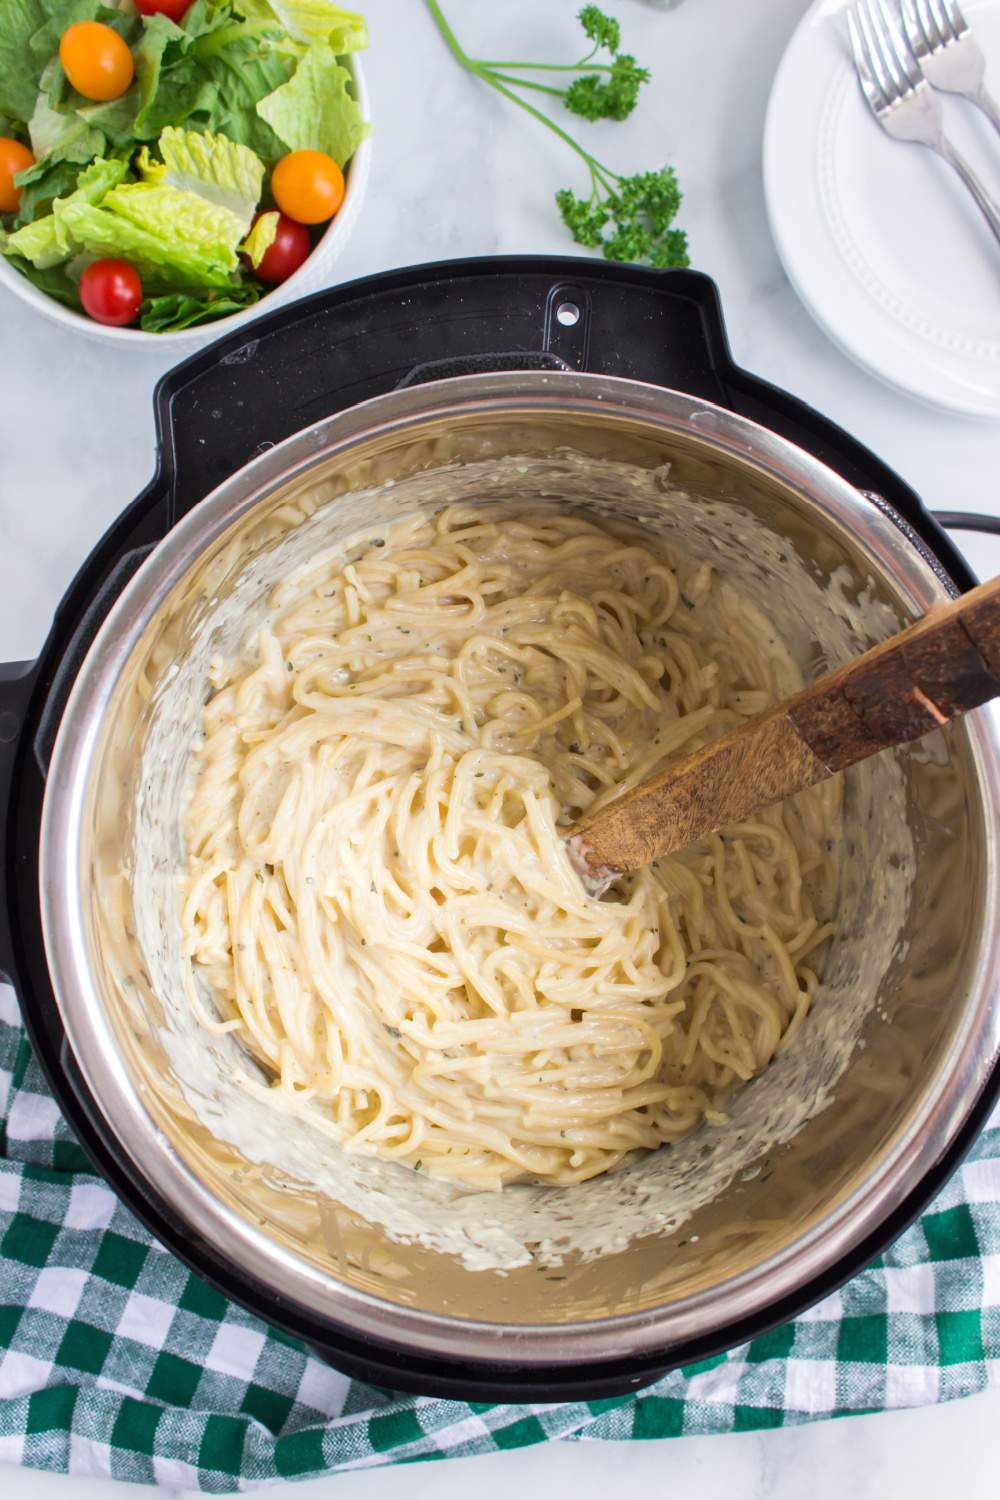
column 111, row 292
column 174, row 10
column 289, row 248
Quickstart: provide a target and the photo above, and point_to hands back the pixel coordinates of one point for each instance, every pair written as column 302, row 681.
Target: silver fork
column 901, row 99
column 949, row 56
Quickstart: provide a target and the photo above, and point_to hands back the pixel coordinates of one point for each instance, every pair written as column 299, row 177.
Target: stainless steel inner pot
column 797, row 1206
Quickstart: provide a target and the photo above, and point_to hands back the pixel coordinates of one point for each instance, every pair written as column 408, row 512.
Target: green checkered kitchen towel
column 115, row 1360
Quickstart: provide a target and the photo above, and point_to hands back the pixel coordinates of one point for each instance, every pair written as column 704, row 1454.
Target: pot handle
column 17, row 681
column 967, row 520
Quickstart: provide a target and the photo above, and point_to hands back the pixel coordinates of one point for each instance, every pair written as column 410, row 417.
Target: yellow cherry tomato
column 96, row 61
column 308, row 186
column 13, row 158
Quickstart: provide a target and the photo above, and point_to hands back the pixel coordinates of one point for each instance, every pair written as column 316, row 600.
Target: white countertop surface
column 457, row 171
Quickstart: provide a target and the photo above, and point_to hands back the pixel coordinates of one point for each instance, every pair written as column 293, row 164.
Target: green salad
column 166, row 162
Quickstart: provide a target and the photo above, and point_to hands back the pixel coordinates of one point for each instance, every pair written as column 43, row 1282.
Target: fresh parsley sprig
column 612, row 96
column 628, row 217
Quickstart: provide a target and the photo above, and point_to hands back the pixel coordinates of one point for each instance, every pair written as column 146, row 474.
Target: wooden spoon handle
column 945, row 664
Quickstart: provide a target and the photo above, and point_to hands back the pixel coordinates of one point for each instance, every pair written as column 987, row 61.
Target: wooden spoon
column 944, row 665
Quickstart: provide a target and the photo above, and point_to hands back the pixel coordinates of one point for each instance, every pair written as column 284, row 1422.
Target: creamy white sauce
column 497, row 1231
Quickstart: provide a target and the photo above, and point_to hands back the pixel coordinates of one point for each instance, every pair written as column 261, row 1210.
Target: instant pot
column 374, row 390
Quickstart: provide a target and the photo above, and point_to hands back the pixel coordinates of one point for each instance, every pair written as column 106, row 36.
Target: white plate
column 879, row 237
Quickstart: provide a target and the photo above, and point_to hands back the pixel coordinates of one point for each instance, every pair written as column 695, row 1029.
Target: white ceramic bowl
column 309, row 277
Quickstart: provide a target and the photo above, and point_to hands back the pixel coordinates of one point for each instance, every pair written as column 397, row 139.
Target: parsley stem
column 578, row 67
column 522, row 83
column 484, row 71
column 450, row 38
column 491, row 78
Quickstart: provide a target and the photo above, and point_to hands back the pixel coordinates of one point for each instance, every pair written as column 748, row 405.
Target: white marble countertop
column 457, row 172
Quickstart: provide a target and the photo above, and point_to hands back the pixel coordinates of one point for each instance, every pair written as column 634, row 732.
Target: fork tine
column 932, row 35
column 942, row 22
column 878, row 40
column 900, row 47
column 861, row 64
column 875, row 62
column 955, row 16
column 870, row 69
column 914, row 32
column 863, row 61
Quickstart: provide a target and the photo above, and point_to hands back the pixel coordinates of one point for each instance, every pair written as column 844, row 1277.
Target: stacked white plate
column 879, row 238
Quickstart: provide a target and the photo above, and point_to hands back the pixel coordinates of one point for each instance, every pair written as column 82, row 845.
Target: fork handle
column 988, row 105
column 987, row 207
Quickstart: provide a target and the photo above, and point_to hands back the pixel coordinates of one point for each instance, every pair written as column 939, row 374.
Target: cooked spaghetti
column 378, row 895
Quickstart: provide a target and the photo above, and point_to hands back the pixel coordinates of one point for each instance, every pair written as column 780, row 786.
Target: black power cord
column 967, row 520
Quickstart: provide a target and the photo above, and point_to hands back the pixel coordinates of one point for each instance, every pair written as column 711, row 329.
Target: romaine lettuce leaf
column 173, row 247
column 62, row 143
column 54, row 281
column 176, row 310
column 69, row 135
column 62, row 125
column 261, row 238
column 315, row 110
column 311, row 21
column 98, row 179
column 180, row 227
column 19, row 20
column 41, row 243
column 208, row 72
column 47, row 241
column 238, row 75
column 229, row 176
column 212, row 71
column 41, row 184
column 125, row 120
